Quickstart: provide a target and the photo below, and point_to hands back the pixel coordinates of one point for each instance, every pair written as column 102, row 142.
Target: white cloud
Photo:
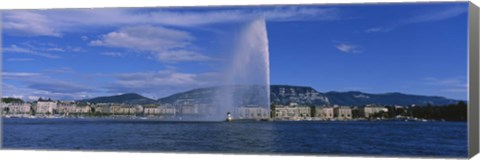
column 113, row 54
column 438, row 15
column 455, row 90
column 181, row 55
column 160, row 83
column 376, row 29
column 226, row 16
column 451, row 84
column 20, row 59
column 28, row 84
column 56, row 22
column 348, row 48
column 19, row 75
column 455, row 81
column 42, row 49
column 146, row 38
column 428, row 16
column 32, row 98
column 73, row 49
column 56, row 49
column 167, row 45
column 31, row 23
column 17, row 49
column 31, row 94
column 62, row 70
column 293, row 13
column 60, row 87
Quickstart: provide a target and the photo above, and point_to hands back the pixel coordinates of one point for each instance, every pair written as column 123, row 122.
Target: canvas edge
column 473, row 73
column 474, row 76
column 1, row 76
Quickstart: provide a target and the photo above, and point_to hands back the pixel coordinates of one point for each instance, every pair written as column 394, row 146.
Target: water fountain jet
column 246, row 89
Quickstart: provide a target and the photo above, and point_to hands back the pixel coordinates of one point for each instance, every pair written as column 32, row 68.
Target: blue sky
column 81, row 53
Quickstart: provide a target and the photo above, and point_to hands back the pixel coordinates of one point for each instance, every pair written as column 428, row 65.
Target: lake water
column 385, row 138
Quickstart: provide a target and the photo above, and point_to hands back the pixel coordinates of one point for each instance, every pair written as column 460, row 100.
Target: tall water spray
column 246, row 91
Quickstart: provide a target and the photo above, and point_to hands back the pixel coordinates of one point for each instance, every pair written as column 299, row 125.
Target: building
column 292, row 112
column 4, row 107
column 115, row 109
column 372, row 109
column 252, row 112
column 122, row 109
column 66, row 108
column 324, row 113
column 104, row 108
column 151, row 110
column 82, row 109
column 342, row 113
column 186, row 106
column 15, row 108
column 46, row 107
column 167, row 109
column 188, row 109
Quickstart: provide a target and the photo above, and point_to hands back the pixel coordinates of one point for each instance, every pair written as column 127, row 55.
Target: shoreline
column 120, row 117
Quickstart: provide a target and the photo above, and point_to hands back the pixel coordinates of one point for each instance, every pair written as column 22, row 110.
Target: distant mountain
column 355, row 98
column 285, row 94
column 200, row 94
column 250, row 94
column 128, row 98
column 282, row 94
column 304, row 95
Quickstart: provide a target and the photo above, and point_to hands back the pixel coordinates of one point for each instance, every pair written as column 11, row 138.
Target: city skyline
column 84, row 53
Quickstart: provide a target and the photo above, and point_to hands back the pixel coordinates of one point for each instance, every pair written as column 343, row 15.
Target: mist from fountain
column 246, row 89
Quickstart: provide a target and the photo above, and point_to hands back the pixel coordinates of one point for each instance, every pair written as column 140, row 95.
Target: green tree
column 12, row 100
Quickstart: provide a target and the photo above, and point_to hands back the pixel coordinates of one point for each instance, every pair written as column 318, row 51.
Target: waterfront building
column 343, row 112
column 151, row 110
column 292, row 112
column 167, row 109
column 15, row 108
column 371, row 109
column 66, row 108
column 115, row 109
column 130, row 109
column 252, row 112
column 82, row 109
column 4, row 108
column 138, row 109
column 186, row 106
column 304, row 112
column 282, row 112
column 102, row 108
column 46, row 107
column 125, row 109
column 189, row 109
column 324, row 113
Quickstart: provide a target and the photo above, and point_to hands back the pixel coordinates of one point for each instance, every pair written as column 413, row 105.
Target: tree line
column 452, row 112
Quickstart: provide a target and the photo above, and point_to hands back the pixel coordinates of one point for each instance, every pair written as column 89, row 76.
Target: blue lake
column 383, row 138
